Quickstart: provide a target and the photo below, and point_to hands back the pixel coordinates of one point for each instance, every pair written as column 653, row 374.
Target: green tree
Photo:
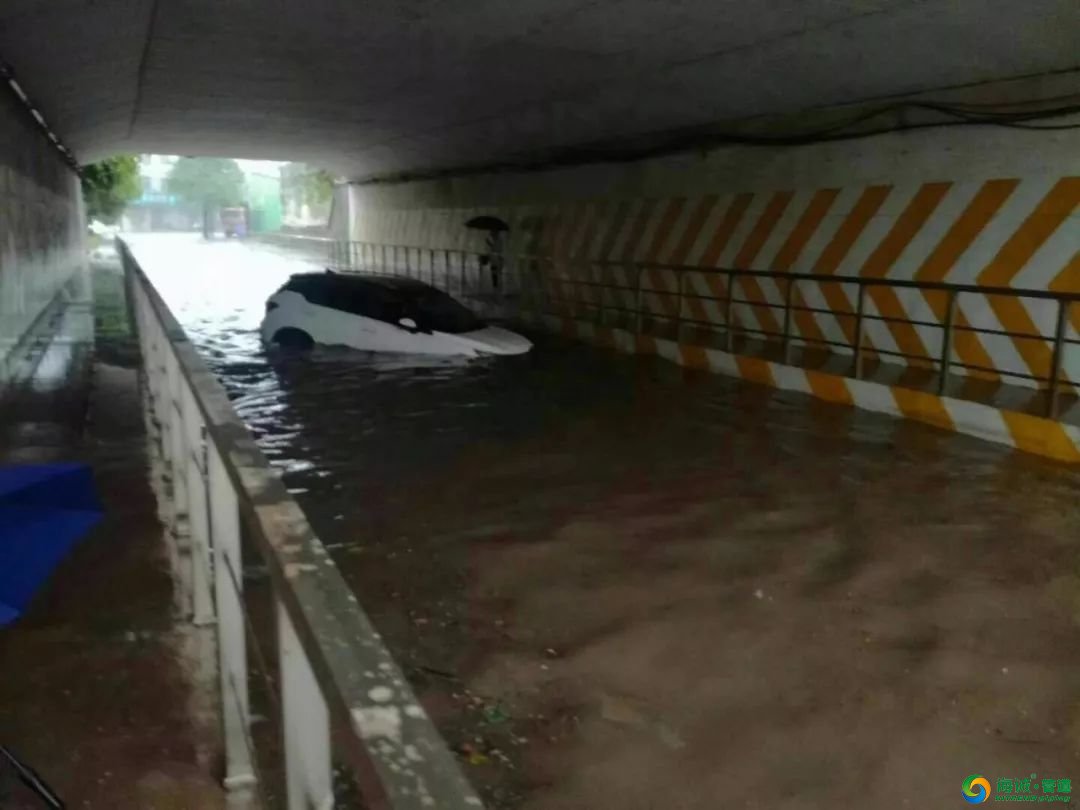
column 207, row 182
column 109, row 185
column 318, row 186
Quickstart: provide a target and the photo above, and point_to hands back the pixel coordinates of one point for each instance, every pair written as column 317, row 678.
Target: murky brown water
column 619, row 585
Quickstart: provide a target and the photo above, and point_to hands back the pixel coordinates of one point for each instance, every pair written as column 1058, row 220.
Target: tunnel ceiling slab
column 396, row 86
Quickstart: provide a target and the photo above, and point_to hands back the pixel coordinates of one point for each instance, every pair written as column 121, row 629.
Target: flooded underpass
column 618, row 584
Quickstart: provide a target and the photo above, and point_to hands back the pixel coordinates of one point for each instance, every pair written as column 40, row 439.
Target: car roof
column 359, row 281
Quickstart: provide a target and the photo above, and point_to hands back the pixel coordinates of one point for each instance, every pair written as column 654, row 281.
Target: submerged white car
column 379, row 314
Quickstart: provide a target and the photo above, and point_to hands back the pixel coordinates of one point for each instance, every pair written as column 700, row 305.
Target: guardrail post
column 729, row 337
column 639, row 302
column 156, row 384
column 202, row 601
column 177, row 467
column 947, row 342
column 680, row 275
column 601, row 292
column 538, row 288
column 548, row 285
column 1056, row 358
column 786, row 338
column 232, row 643
column 306, row 724
column 857, row 346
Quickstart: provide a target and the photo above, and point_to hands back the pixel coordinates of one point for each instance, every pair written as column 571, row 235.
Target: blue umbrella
column 44, row 510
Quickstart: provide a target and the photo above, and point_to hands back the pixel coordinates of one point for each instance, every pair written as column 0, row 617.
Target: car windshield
column 435, row 310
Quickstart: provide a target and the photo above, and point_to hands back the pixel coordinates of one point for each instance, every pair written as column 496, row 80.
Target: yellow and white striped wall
column 970, row 206
column 1032, row 434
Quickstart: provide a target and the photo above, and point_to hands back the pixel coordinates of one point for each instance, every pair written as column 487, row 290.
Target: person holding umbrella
column 495, row 241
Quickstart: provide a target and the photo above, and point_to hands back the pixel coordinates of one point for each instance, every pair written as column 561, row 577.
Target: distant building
column 306, row 195
column 156, row 209
column 262, row 198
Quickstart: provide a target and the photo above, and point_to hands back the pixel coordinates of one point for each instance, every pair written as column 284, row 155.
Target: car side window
column 369, row 301
column 314, row 290
column 438, row 311
column 349, row 297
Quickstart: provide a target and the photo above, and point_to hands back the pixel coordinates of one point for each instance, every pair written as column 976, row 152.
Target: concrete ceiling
column 373, row 88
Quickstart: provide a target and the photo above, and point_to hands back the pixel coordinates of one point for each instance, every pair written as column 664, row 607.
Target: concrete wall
column 982, row 205
column 41, row 228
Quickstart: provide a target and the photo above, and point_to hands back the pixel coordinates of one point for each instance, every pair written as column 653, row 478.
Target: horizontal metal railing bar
column 942, row 286
column 895, row 353
column 867, row 316
column 346, row 653
column 979, row 330
column 997, row 372
column 933, row 361
column 825, row 311
column 786, row 280
column 887, row 319
column 915, row 359
column 1004, row 333
column 733, row 326
column 824, row 342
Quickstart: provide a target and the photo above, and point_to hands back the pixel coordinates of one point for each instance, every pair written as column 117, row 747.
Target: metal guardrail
column 537, row 280
column 462, row 272
column 336, row 673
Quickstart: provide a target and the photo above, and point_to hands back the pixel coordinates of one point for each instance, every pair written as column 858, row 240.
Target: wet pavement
column 95, row 680
column 618, row 584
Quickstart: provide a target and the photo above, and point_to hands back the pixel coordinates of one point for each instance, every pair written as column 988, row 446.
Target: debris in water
column 474, row 755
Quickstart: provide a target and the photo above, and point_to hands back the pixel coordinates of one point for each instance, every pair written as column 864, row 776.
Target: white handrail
column 336, row 672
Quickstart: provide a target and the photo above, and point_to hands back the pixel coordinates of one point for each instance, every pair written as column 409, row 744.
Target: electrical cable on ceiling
column 958, row 115
column 657, row 144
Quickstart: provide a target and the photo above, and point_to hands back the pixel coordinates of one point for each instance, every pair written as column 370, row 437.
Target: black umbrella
column 486, row 223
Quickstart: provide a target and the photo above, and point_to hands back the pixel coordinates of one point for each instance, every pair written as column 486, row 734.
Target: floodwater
column 618, row 584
